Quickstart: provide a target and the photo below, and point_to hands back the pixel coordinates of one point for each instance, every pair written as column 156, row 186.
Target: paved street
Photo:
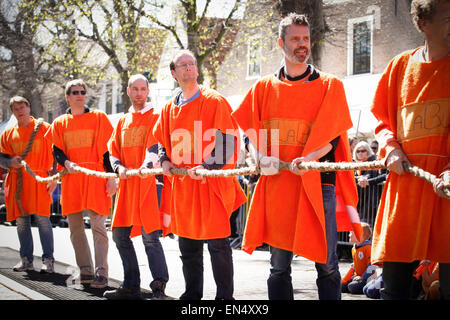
column 251, row 271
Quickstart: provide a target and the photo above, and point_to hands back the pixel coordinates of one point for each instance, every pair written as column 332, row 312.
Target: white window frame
column 249, row 42
column 350, row 25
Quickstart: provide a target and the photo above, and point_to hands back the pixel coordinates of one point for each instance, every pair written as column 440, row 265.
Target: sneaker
column 122, row 293
column 86, row 278
column 158, row 288
column 47, row 266
column 99, row 282
column 24, row 265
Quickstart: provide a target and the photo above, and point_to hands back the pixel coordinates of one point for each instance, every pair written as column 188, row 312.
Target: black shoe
column 122, row 293
column 158, row 288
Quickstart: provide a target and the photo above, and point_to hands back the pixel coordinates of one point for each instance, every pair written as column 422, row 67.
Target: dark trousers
column 397, row 278
column 222, row 267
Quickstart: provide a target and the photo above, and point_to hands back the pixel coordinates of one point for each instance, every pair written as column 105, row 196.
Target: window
column 254, row 58
column 361, row 48
column 359, row 59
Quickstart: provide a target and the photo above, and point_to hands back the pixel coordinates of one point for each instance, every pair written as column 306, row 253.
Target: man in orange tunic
column 412, row 103
column 200, row 208
column 136, row 207
column 80, row 137
column 35, row 197
column 306, row 116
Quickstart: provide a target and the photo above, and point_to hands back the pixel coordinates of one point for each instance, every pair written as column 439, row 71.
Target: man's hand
column 111, row 187
column 269, row 165
column 70, row 166
column 312, row 156
column 191, row 172
column 51, row 186
column 15, row 162
column 442, row 182
column 166, row 166
column 362, row 181
column 395, row 161
column 122, row 172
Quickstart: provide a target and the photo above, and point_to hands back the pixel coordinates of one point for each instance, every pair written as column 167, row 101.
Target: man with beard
column 296, row 212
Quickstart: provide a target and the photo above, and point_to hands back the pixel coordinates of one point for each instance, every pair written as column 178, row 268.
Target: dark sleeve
column 329, row 177
column 153, row 149
column 222, row 152
column 162, row 155
column 59, row 155
column 377, row 179
column 106, row 163
column 4, row 160
column 115, row 163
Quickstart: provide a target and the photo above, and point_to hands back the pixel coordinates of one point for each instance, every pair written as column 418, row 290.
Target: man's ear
column 421, row 23
column 280, row 43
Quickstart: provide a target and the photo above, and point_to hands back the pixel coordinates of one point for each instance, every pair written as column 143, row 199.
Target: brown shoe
column 99, row 282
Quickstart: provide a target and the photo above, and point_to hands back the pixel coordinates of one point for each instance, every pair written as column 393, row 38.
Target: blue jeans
column 155, row 256
column 328, row 276
column 26, row 239
column 222, row 267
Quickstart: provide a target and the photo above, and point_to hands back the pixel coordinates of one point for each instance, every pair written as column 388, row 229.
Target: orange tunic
column 287, row 210
column 136, row 199
column 83, row 138
column 412, row 103
column 199, row 210
column 34, row 198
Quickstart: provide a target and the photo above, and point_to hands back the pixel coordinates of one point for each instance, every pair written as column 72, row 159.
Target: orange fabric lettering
column 79, row 139
column 425, row 119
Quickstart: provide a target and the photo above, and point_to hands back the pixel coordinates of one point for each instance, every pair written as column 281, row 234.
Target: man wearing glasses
column 80, row 138
column 200, row 208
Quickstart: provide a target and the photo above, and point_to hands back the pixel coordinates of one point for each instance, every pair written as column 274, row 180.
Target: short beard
column 296, row 59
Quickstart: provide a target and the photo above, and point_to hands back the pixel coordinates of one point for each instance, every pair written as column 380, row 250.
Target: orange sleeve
column 114, row 142
column 248, row 114
column 385, row 132
column 54, row 133
column 105, row 130
column 161, row 128
column 5, row 146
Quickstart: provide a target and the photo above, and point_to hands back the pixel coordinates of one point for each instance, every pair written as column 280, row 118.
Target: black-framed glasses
column 76, row 92
column 361, row 151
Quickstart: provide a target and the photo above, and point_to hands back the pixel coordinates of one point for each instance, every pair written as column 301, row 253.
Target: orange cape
column 83, row 138
column 34, row 198
column 198, row 210
column 136, row 201
column 412, row 103
column 287, row 210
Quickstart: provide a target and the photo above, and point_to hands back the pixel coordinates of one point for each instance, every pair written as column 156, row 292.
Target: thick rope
column 28, row 147
column 319, row 166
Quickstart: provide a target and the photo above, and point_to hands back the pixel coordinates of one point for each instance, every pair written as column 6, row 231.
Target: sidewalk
column 250, row 271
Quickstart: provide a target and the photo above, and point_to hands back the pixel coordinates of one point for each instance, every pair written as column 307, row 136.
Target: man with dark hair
column 24, row 196
column 412, row 103
column 80, row 137
column 295, row 212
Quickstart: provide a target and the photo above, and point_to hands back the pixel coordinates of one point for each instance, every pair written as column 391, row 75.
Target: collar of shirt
column 147, row 107
column 86, row 110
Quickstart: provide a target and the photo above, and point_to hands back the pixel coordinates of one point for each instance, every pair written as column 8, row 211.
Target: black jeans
column 222, row 267
column 397, row 278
